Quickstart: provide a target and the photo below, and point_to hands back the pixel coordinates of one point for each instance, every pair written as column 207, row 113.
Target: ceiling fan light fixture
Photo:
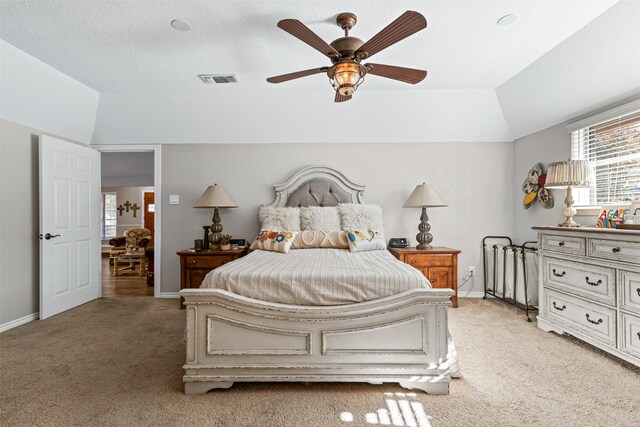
column 346, row 76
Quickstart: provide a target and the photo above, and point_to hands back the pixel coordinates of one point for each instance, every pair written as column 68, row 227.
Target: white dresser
column 590, row 287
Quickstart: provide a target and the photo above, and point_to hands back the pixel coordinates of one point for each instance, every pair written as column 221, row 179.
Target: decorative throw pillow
column 365, row 240
column 319, row 218
column 361, row 217
column 308, row 239
column 274, row 241
column 279, row 218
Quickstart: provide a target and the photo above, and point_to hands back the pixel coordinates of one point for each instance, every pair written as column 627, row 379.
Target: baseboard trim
column 475, row 294
column 21, row 321
column 168, row 295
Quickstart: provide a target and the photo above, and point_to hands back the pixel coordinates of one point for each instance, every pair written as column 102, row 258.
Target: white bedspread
column 316, row 276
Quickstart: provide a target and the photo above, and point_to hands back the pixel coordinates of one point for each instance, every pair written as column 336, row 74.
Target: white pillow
column 286, row 219
column 365, row 240
column 319, row 218
column 308, row 239
column 361, row 217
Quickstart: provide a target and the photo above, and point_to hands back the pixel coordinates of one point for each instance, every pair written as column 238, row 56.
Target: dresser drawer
column 590, row 281
column 206, row 262
column 630, row 291
column 630, row 342
column 584, row 317
column 429, row 260
column 564, row 244
column 616, row 250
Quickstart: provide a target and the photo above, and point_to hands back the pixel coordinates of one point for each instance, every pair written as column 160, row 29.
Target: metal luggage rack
column 501, row 245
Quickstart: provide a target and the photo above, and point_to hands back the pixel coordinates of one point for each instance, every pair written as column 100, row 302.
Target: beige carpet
column 117, row 362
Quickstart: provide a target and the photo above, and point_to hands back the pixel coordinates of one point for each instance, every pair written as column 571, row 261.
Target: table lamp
column 569, row 174
column 424, row 196
column 216, row 196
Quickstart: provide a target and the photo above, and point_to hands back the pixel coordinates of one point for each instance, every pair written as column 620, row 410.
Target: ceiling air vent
column 218, row 78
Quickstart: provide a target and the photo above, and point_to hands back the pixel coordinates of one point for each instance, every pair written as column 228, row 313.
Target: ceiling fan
column 346, row 53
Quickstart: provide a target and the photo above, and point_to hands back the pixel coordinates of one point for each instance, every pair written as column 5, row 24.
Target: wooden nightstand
column 439, row 265
column 195, row 265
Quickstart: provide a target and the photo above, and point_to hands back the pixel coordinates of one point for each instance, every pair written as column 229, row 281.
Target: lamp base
column 423, row 246
column 424, row 238
column 216, row 231
column 569, row 223
column 569, row 211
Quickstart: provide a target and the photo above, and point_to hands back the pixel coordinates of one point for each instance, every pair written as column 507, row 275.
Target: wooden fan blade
column 407, row 75
column 302, row 32
column 407, row 24
column 341, row 98
column 297, row 75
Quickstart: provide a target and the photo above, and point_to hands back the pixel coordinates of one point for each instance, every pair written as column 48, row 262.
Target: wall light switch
column 174, row 199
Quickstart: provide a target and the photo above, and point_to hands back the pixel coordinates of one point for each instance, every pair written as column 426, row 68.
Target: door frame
column 157, row 184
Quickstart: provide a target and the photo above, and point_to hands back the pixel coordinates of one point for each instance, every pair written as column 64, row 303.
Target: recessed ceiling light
column 180, row 25
column 507, row 19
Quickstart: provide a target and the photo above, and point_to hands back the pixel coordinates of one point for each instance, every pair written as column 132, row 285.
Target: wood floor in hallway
column 123, row 286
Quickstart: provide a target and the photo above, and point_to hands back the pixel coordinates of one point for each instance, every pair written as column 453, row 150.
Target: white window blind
column 613, row 148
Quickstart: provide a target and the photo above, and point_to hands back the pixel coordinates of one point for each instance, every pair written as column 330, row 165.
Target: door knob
column 50, row 236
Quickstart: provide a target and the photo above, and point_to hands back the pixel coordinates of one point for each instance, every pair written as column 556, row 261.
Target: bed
column 389, row 326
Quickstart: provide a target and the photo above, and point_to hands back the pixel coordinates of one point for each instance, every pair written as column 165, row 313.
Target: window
column 613, row 148
column 109, row 218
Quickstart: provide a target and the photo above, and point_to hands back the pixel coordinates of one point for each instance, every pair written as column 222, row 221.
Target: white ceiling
column 129, row 46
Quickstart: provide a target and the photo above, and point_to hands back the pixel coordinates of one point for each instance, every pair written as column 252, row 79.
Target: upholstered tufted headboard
column 317, row 186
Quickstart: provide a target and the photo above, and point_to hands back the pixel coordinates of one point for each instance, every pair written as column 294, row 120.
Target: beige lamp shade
column 215, row 196
column 571, row 173
column 424, row 195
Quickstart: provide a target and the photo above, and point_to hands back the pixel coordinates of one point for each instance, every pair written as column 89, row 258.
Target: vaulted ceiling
column 128, row 50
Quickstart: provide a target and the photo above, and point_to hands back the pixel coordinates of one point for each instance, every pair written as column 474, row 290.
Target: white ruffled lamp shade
column 569, row 174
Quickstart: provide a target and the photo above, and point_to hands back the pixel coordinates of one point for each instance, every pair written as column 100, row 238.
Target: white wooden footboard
column 401, row 339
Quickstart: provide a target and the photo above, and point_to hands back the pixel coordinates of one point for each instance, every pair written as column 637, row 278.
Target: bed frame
column 400, row 339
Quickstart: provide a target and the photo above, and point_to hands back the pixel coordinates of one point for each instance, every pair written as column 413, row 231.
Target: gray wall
column 127, row 169
column 549, row 145
column 476, row 179
column 19, row 211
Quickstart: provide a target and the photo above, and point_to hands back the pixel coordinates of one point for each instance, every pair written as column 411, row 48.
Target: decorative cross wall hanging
column 135, row 208
column 127, row 205
column 120, row 209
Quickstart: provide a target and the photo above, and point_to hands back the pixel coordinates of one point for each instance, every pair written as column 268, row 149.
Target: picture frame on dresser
column 590, row 287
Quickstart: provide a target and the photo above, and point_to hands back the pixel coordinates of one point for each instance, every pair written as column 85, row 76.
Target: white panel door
column 69, row 225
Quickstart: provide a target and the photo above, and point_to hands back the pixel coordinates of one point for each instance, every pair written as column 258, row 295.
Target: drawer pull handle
column 638, row 291
column 559, row 308
column 558, row 275
column 193, row 261
column 560, row 244
column 594, row 321
column 615, row 250
column 598, row 283
column 639, row 335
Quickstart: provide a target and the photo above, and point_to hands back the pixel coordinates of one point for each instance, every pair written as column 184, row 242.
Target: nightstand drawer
column 210, row 262
column 564, row 244
column 429, row 260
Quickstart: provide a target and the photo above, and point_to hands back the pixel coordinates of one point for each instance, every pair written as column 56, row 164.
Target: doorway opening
column 130, row 221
